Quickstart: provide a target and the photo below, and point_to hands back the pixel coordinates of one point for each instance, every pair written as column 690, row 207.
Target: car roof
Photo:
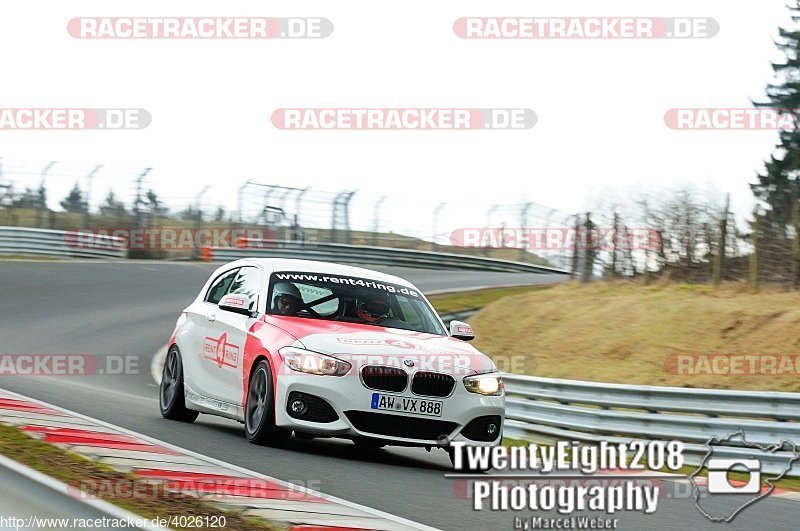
column 313, row 266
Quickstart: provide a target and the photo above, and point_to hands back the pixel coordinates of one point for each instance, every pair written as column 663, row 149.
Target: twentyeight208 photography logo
column 739, row 474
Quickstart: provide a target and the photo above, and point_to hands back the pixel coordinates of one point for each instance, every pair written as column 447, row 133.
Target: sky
column 600, row 104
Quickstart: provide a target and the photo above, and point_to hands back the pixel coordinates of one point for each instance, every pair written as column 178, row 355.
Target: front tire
column 259, row 409
column 451, row 453
column 171, row 400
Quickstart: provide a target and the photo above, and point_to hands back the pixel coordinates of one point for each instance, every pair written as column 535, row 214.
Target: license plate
column 400, row 404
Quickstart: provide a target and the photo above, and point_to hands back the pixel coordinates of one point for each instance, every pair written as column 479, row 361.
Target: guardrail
column 369, row 255
column 545, row 410
column 59, row 244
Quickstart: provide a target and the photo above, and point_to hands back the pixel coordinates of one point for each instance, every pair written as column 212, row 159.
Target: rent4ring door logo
column 401, row 404
column 220, row 351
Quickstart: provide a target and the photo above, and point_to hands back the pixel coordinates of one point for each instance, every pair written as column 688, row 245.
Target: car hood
column 375, row 345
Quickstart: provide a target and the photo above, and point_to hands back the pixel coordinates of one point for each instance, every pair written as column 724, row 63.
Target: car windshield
column 352, row 300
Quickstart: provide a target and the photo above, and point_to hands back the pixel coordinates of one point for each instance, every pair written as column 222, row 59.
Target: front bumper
column 351, row 401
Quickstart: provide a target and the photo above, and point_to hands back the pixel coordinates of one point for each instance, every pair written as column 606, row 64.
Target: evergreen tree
column 155, row 207
column 189, row 213
column 112, row 207
column 27, row 199
column 778, row 187
column 74, row 201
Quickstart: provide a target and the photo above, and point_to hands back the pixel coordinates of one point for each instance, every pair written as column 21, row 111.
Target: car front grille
column 432, row 384
column 400, row 426
column 384, row 378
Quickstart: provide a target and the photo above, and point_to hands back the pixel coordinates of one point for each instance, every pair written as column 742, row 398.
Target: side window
column 220, row 287
column 247, row 282
column 410, row 313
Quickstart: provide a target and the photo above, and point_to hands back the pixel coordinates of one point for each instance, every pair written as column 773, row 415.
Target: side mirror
column 461, row 330
column 236, row 303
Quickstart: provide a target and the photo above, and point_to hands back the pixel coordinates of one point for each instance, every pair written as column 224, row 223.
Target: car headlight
column 310, row 362
column 484, row 384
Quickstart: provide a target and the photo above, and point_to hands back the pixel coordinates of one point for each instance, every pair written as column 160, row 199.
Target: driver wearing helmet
column 286, row 299
column 372, row 307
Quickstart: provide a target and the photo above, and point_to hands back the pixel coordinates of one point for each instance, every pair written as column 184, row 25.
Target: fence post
column 340, row 216
column 575, row 247
column 489, row 213
column 376, row 222
column 719, row 259
column 42, row 198
column 615, row 245
column 754, row 280
column 436, row 212
column 299, row 233
column 588, row 258
column 198, row 223
column 137, row 209
column 87, row 216
column 523, row 217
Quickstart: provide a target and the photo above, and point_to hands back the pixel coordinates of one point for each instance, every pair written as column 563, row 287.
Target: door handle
column 211, row 317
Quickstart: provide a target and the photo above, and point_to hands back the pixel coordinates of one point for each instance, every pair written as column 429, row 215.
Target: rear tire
column 171, row 399
column 259, row 410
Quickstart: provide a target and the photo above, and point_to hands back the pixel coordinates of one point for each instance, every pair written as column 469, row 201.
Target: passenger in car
column 286, row 299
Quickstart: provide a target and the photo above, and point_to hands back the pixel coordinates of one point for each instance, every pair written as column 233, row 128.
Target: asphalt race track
column 129, row 309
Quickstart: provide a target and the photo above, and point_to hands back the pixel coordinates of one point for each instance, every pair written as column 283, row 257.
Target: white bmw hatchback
column 325, row 350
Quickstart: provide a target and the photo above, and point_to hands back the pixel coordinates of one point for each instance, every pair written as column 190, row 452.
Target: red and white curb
column 185, row 472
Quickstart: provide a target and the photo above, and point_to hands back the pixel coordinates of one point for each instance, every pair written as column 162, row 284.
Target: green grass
column 464, row 300
column 508, row 442
column 142, row 499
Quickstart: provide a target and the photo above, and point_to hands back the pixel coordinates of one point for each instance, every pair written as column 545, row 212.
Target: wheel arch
column 264, row 355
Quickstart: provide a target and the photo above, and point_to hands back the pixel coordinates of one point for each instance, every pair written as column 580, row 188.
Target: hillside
column 675, row 335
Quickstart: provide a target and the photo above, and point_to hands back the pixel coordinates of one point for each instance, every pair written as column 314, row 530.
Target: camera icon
column 718, row 476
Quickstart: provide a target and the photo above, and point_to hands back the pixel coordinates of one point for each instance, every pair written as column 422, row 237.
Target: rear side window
column 247, row 282
column 220, row 287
